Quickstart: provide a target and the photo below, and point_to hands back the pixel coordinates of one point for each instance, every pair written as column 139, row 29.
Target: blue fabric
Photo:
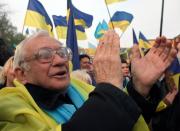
column 71, row 40
column 64, row 112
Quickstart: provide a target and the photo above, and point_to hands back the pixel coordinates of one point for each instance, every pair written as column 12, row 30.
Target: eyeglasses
column 46, row 55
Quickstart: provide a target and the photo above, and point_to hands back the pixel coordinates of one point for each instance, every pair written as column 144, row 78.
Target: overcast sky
column 146, row 15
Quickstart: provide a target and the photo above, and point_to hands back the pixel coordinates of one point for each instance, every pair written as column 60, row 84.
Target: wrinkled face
column 125, row 69
column 52, row 75
column 85, row 63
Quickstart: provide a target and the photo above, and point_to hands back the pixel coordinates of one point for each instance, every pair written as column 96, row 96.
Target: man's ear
column 20, row 75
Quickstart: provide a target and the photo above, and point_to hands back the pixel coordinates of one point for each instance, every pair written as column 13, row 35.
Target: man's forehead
column 41, row 42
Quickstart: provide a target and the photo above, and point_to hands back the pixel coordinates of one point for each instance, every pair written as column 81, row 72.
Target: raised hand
column 148, row 69
column 107, row 63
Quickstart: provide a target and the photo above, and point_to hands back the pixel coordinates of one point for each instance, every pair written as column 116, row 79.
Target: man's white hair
column 20, row 51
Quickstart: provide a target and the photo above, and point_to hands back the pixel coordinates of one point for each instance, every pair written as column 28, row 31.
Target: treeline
column 9, row 37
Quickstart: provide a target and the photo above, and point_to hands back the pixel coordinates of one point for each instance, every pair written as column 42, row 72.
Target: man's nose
column 57, row 59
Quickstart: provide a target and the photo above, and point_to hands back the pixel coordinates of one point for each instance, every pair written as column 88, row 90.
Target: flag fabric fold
column 143, row 42
column 101, row 29
column 60, row 23
column 81, row 18
column 121, row 19
column 135, row 41
column 71, row 40
column 60, row 26
column 36, row 16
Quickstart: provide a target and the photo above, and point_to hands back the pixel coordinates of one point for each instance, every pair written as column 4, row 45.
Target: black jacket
column 168, row 119
column 107, row 109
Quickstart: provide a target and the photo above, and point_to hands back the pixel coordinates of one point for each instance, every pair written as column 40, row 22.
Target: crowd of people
column 40, row 93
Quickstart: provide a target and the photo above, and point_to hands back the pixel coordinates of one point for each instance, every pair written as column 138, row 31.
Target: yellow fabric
column 62, row 33
column 119, row 24
column 70, row 66
column 161, row 106
column 141, row 125
column 82, row 87
column 143, row 45
column 113, row 1
column 19, row 112
column 34, row 19
column 176, row 79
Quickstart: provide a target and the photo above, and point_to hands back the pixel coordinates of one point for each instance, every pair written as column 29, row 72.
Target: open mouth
column 60, row 74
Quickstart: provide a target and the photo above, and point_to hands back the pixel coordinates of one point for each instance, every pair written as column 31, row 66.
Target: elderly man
column 49, row 102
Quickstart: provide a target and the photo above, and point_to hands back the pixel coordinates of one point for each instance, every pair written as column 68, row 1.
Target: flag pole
column 161, row 22
column 109, row 14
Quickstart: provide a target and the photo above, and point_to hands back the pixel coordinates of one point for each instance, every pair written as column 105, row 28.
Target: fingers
column 107, row 60
column 165, row 52
column 160, row 45
column 163, row 48
column 171, row 56
column 110, row 43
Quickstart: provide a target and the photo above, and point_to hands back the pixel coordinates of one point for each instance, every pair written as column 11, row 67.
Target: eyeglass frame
column 52, row 52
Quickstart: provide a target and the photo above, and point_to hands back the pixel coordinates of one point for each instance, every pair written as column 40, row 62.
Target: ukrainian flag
column 101, row 29
column 121, row 20
column 175, row 70
column 80, row 32
column 113, row 1
column 81, row 18
column 36, row 16
column 135, row 41
column 60, row 23
column 61, row 26
column 71, row 40
column 144, row 44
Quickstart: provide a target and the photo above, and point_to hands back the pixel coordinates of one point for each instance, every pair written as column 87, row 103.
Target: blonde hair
column 7, row 66
column 82, row 75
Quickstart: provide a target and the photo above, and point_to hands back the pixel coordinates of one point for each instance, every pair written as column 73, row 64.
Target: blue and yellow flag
column 135, row 41
column 80, row 32
column 121, row 20
column 101, row 29
column 60, row 23
column 71, row 40
column 104, row 26
column 81, row 18
column 61, row 26
column 143, row 42
column 97, row 32
column 175, row 70
column 36, row 16
column 113, row 1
